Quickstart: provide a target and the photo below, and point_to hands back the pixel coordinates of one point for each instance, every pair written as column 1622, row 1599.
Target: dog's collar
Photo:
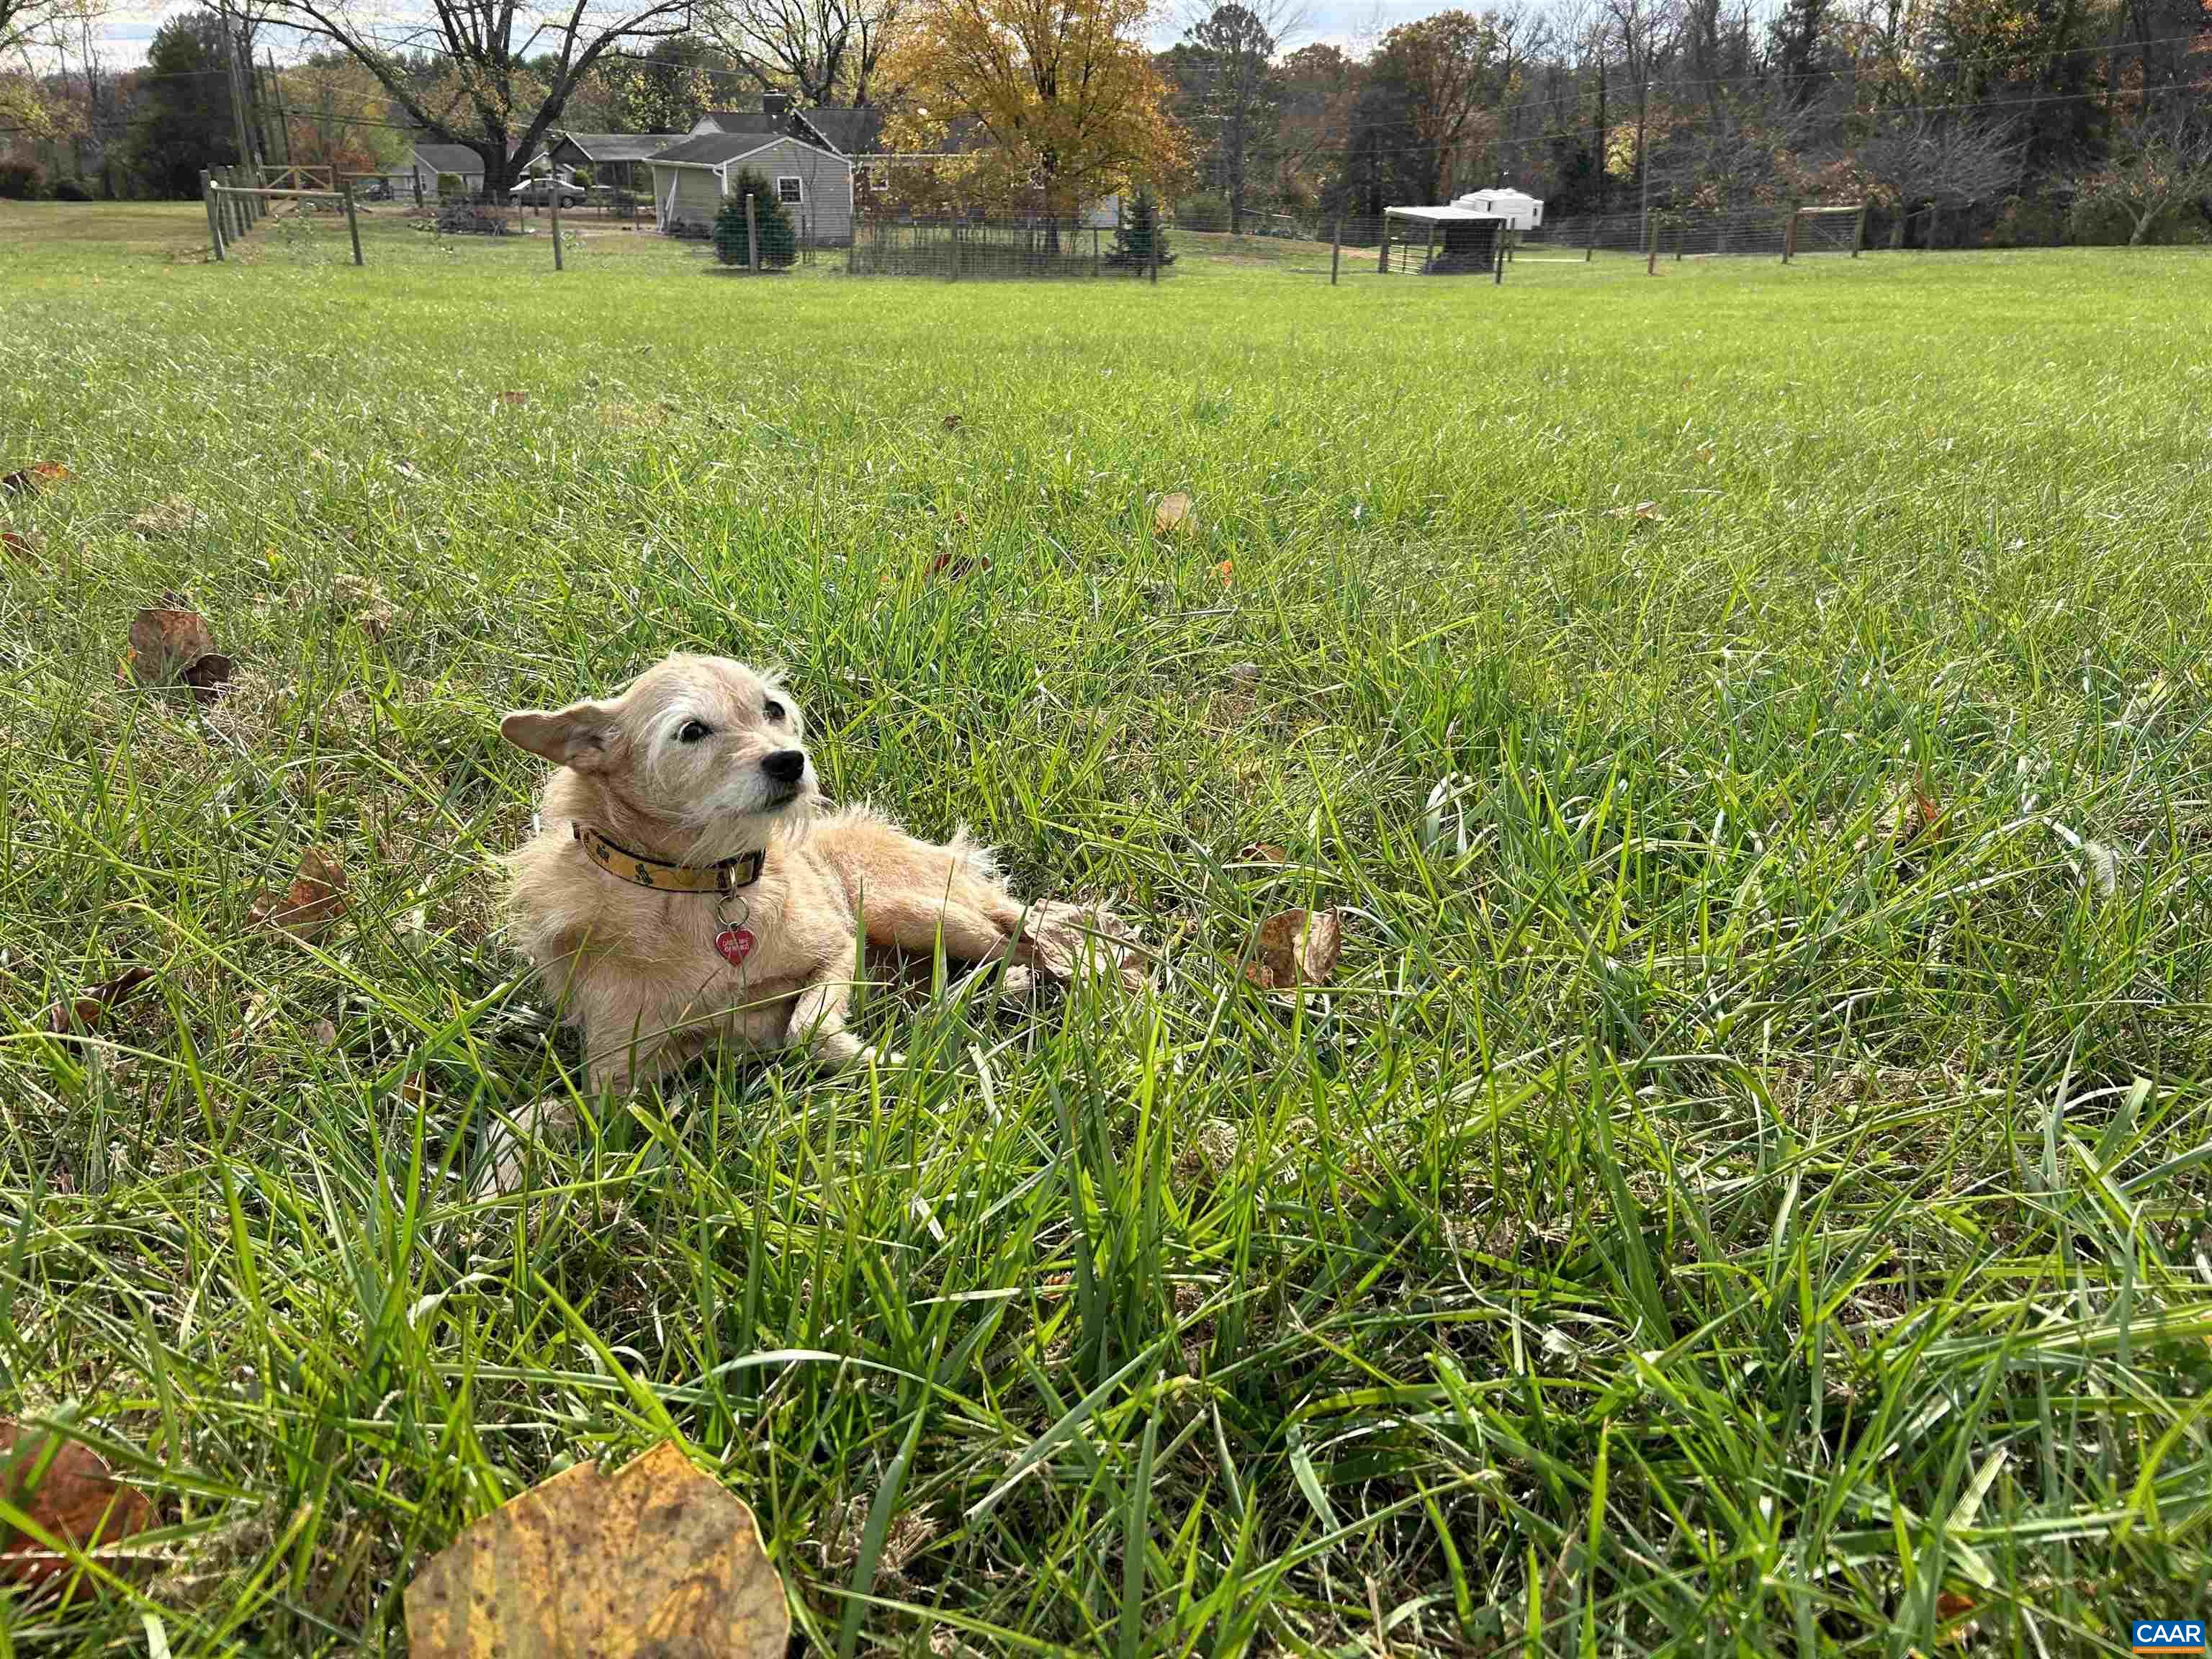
column 639, row 871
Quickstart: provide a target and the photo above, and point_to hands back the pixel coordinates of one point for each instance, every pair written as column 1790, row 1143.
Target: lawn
column 1742, row 1190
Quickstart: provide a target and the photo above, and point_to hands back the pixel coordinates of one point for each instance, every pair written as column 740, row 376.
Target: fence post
column 215, row 230
column 553, row 195
column 353, row 223
column 416, row 173
column 1382, row 264
column 1335, row 248
column 752, row 237
column 1156, row 244
column 1497, row 260
column 1790, row 234
column 1651, row 246
column 1858, row 229
column 1590, row 242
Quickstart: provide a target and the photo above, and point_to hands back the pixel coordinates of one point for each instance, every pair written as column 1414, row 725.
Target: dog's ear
column 582, row 736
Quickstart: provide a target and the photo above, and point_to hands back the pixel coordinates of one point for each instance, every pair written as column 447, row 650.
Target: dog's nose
column 786, row 765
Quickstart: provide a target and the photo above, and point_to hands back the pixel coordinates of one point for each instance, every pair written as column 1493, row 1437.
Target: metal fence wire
column 1764, row 232
column 960, row 249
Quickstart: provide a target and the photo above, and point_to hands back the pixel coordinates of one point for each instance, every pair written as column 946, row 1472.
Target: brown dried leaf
column 952, row 423
column 1264, row 852
column 953, row 566
column 18, row 547
column 327, row 1033
column 656, row 1559
column 313, row 904
column 513, row 399
column 1952, row 1605
column 173, row 516
column 64, row 1486
column 89, row 1006
column 167, row 639
column 1641, row 510
column 207, row 676
column 1296, row 947
column 1070, row 942
column 34, row 477
column 1171, row 514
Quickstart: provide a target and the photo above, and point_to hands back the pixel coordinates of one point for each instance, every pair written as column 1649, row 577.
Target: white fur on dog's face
column 704, row 744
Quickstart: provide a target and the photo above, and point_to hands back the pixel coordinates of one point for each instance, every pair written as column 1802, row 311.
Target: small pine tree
column 779, row 237
column 1134, row 236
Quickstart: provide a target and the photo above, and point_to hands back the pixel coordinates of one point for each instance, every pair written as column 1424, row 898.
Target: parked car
column 538, row 193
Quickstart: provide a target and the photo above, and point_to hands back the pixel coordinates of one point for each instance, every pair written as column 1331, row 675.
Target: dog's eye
column 775, row 712
column 692, row 731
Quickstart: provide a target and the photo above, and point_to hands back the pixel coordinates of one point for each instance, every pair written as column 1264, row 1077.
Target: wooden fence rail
column 235, row 209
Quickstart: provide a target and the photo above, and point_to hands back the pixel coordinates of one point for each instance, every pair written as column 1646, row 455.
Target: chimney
column 775, row 104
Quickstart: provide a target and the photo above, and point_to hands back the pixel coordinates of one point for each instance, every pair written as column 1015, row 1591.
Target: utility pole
column 237, row 82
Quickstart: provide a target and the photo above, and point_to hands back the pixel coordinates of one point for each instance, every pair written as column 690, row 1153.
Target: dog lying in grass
column 685, row 889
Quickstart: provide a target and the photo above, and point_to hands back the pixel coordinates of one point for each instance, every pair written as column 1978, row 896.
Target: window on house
column 790, row 191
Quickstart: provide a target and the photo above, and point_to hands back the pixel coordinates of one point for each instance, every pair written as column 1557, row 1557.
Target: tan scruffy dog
column 683, row 889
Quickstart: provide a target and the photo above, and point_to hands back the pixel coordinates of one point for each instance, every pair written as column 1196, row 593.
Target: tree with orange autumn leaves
column 1047, row 103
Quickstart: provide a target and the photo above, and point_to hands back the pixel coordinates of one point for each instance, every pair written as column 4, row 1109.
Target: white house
column 691, row 180
column 1519, row 210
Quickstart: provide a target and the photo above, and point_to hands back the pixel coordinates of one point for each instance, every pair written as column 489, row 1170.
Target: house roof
column 847, row 131
column 449, row 158
column 711, row 150
column 618, row 146
column 715, row 150
column 735, row 121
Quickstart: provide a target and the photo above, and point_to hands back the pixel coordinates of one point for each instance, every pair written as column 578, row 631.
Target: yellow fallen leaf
column 657, row 1559
column 1169, row 515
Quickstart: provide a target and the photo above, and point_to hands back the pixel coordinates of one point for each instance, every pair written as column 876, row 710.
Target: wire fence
column 955, row 250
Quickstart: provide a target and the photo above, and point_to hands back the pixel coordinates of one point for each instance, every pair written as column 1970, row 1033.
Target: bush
column 71, row 190
column 779, row 238
column 1207, row 211
column 21, row 181
column 1136, row 237
column 450, row 187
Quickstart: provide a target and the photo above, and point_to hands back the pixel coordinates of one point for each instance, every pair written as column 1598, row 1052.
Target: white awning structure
column 1518, row 208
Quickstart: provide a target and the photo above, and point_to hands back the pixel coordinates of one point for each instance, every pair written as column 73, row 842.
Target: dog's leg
column 617, row 1070
column 818, row 1023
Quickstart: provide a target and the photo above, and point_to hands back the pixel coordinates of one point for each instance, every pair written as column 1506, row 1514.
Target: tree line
column 1954, row 120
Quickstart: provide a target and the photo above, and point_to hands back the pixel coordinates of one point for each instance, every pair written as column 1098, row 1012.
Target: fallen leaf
column 1264, row 852
column 327, row 1033
column 86, row 1009
column 173, row 515
column 1171, row 515
column 34, row 477
column 655, row 1559
column 1244, row 673
column 171, row 642
column 952, row 423
column 953, row 566
column 1708, row 454
column 1641, row 510
column 64, row 1486
column 515, row 399
column 1296, row 947
column 17, row 547
column 1952, row 1605
column 1070, row 942
column 314, row 902
column 207, row 675
column 1223, row 570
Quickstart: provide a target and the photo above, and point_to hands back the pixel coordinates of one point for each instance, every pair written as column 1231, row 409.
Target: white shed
column 1519, row 210
column 691, row 178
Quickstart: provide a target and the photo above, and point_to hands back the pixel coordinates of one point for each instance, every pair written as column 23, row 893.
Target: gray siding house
column 691, row 180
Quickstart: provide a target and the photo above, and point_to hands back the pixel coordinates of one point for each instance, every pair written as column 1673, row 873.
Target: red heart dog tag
column 735, row 943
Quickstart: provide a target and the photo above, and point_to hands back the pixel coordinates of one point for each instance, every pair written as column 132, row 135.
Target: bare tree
column 1231, row 91
column 1916, row 158
column 1645, row 31
column 508, row 72
column 2161, row 161
column 820, row 50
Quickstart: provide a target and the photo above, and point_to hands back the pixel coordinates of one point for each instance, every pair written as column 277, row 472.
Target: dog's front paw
column 883, row 1060
column 1019, row 981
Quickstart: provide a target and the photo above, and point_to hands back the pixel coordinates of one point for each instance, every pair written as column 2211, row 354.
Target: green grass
column 1691, row 1222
